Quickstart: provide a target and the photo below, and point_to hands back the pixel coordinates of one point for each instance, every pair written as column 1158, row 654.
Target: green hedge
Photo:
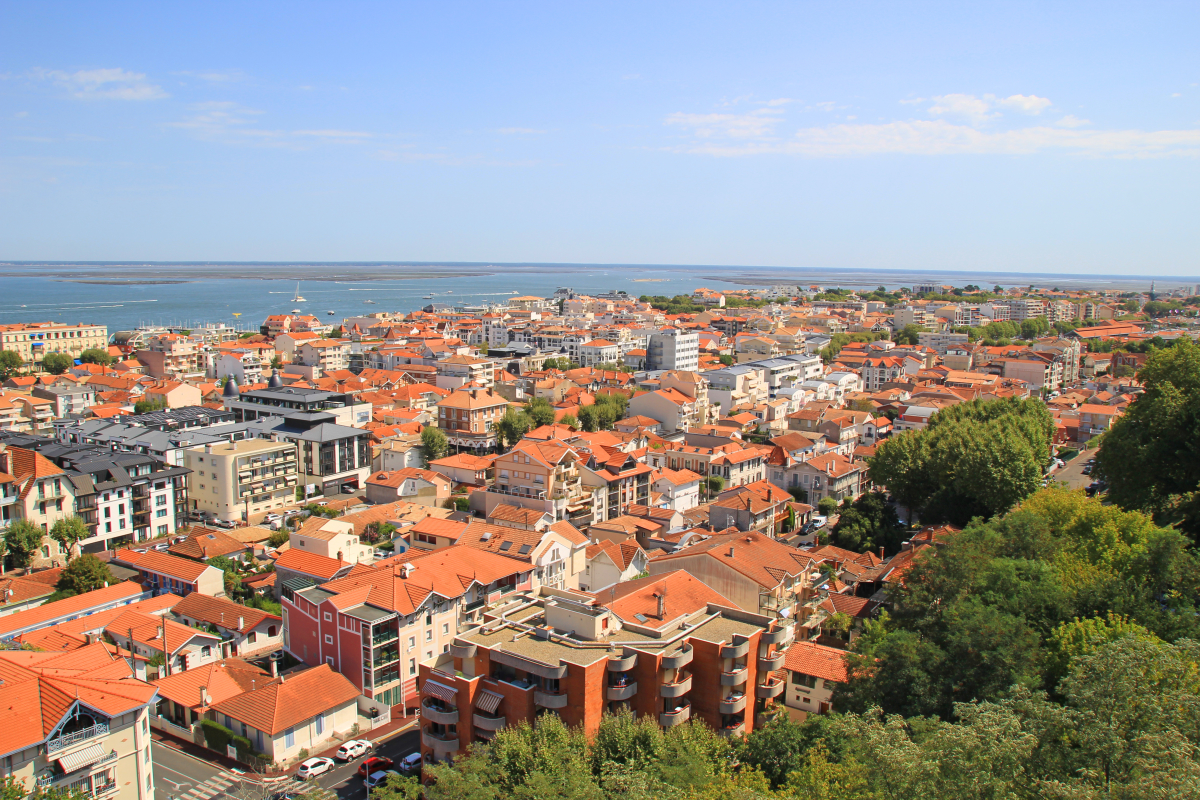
column 216, row 735
column 1067, row 455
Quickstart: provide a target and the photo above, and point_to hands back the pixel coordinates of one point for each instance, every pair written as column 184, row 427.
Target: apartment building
column 375, row 625
column 616, row 482
column 941, row 342
column 232, row 481
column 66, row 398
column 346, row 409
column 468, row 417
column 737, row 386
column 542, row 475
column 174, row 356
column 36, row 489
column 329, row 355
column 673, row 349
column 457, row 371
column 84, row 724
column 553, row 551
column 32, row 340
column 666, row 647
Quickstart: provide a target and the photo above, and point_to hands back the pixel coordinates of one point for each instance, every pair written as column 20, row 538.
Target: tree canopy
column 434, row 444
column 977, row 458
column 22, row 540
column 84, row 574
column 57, row 363
column 69, row 531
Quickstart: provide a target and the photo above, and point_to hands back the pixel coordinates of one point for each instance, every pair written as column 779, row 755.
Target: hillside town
column 275, row 546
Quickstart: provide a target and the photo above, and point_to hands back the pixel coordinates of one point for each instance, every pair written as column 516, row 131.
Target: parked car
column 314, row 767
column 374, row 764
column 349, row 489
column 817, row 522
column 353, row 749
column 220, row 523
column 377, row 778
column 411, row 764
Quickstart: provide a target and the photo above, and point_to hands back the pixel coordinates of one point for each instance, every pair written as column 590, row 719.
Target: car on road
column 314, row 767
column 377, row 778
column 273, row 521
column 411, row 764
column 353, row 749
column 815, row 524
column 374, row 764
column 220, row 523
column 1087, row 469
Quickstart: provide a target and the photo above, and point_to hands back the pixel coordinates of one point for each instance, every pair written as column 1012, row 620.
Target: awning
column 441, row 692
column 80, row 758
column 487, row 702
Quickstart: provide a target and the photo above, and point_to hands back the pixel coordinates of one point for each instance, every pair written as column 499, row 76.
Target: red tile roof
column 817, row 660
column 290, row 700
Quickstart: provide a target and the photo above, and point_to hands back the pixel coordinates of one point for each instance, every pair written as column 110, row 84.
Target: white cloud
column 223, row 120
column 335, row 135
column 104, row 84
column 939, row 137
column 979, row 110
column 755, row 124
column 1024, row 103
column 780, row 101
column 216, row 76
column 1072, row 121
column 519, row 131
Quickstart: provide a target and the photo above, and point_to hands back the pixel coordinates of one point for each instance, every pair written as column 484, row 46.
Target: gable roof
column 759, row 558
column 684, row 594
column 808, row 658
column 290, row 700
column 221, row 612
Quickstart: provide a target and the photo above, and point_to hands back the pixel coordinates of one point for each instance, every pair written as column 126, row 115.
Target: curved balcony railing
column 620, row 692
column 679, row 687
column 734, row 677
column 769, row 689
column 440, row 743
column 550, row 699
column 770, row 663
column 736, row 650
column 622, row 663
column 733, row 704
column 732, row 730
column 487, row 722
column 446, row 715
column 680, row 659
column 460, row 649
column 679, row 716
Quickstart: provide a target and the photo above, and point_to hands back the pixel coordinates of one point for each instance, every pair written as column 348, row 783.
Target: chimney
column 208, row 448
column 242, row 620
column 731, row 551
column 881, row 554
column 274, row 668
column 662, row 605
column 204, row 696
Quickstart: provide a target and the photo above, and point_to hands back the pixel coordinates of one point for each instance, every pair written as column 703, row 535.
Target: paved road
column 180, row 776
column 1072, row 473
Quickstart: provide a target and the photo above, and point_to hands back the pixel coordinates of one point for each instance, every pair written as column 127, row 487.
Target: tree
column 909, row 334
column 94, row 355
column 149, row 405
column 10, row 363
column 589, row 418
column 1150, row 456
column 540, row 411
column 57, row 363
column 375, row 531
column 714, row 484
column 974, row 459
column 278, row 538
column 570, row 420
column 23, row 540
column 69, row 531
column 725, row 359
column 85, row 574
column 827, row 506
column 781, row 746
column 867, row 524
column 513, row 426
column 231, row 568
column 434, row 444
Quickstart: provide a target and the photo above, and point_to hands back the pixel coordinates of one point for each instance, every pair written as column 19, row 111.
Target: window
column 412, row 666
column 161, row 500
column 107, row 512
column 108, row 527
column 445, row 628
column 412, row 641
column 328, row 639
column 328, row 617
column 163, row 529
column 799, row 679
column 289, row 737
column 205, row 651
column 320, row 723
column 162, row 512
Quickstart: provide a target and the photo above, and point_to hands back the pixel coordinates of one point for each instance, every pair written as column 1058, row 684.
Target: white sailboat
column 298, row 298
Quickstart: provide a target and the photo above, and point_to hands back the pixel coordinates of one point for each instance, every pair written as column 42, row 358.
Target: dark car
column 374, row 764
column 411, row 764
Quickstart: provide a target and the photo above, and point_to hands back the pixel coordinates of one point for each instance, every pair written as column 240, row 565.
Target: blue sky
column 1059, row 137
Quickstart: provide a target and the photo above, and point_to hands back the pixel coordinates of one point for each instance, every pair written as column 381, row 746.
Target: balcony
column 778, row 636
column 550, row 699
column 620, row 692
column 100, row 789
column 461, row 649
column 442, row 744
column 733, row 704
column 679, row 659
column 75, row 737
column 487, row 722
column 728, row 731
column 383, row 637
column 385, row 658
column 669, row 719
column 439, row 712
column 735, row 650
column 770, row 663
column 622, row 663
column 735, row 677
column 680, row 687
column 771, row 688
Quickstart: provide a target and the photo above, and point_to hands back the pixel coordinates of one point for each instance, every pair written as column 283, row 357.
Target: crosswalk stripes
column 209, row 789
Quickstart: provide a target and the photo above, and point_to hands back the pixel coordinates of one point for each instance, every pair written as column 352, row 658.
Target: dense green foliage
column 85, row 574
column 57, row 363
column 974, row 459
column 867, row 524
column 149, row 405
column 434, row 444
column 68, row 531
column 10, row 363
column 540, row 411
column 986, row 610
column 94, row 355
column 1151, row 456
column 22, row 541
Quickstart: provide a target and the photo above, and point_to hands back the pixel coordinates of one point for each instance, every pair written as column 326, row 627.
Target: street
column 1072, row 473
column 181, row 776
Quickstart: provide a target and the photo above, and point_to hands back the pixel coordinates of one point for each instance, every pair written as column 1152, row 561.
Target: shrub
column 216, row 735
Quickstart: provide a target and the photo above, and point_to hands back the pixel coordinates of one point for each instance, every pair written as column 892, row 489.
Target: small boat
column 297, row 311
column 369, row 302
column 330, row 313
column 298, row 298
column 426, row 297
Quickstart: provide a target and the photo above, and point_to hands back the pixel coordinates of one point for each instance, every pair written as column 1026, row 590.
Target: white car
column 817, row 522
column 352, row 750
column 314, row 767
